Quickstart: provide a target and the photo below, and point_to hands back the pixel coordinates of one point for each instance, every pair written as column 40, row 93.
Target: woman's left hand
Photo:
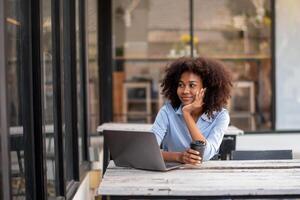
column 197, row 103
column 190, row 156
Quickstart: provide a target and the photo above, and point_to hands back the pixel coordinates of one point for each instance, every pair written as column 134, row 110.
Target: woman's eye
column 180, row 85
column 192, row 85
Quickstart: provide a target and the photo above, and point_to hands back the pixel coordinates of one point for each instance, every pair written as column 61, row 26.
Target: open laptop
column 136, row 149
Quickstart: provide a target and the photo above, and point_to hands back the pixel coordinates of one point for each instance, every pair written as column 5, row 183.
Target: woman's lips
column 186, row 98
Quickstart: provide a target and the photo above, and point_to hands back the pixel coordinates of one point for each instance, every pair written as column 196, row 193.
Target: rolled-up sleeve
column 215, row 137
column 160, row 125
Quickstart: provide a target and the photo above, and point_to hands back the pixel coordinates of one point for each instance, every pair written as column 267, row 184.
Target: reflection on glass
column 13, row 67
column 47, row 87
column 93, row 79
column 147, row 35
column 79, row 85
column 239, row 33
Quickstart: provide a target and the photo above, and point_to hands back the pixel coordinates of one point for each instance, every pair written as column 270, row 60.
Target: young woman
column 197, row 90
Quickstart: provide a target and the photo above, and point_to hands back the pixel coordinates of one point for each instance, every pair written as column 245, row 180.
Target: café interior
column 69, row 70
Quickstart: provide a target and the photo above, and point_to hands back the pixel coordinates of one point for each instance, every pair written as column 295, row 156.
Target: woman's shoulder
column 223, row 113
column 167, row 107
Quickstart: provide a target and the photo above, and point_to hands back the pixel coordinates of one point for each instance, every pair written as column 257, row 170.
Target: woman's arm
column 187, row 157
column 161, row 124
column 216, row 134
column 193, row 129
column 172, row 156
column 187, row 115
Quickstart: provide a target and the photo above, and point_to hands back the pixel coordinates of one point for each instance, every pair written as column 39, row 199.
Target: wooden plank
column 232, row 130
column 124, row 126
column 234, row 164
column 211, row 180
column 248, row 164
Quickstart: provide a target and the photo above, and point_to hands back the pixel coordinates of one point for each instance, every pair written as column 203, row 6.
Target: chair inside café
column 262, row 155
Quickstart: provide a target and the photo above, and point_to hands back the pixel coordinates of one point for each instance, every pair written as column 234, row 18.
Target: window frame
column 4, row 131
column 31, row 93
column 104, row 24
column 57, row 102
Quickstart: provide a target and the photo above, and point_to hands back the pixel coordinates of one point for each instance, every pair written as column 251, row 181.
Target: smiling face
column 188, row 86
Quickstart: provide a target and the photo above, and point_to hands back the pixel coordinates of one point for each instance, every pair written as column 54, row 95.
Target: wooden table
column 232, row 130
column 212, row 179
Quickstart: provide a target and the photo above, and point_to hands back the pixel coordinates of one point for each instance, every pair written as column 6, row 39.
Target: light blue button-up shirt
column 173, row 135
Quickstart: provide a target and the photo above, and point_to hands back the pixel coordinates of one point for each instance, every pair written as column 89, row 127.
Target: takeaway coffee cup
column 198, row 146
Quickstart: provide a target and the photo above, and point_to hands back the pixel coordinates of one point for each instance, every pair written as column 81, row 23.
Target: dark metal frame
column 191, row 7
column 273, row 63
column 105, row 60
column 5, row 190
column 57, row 102
column 83, row 78
column 70, row 99
column 70, row 90
column 32, row 100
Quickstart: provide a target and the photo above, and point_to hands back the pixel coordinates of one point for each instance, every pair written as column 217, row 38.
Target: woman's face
column 188, row 86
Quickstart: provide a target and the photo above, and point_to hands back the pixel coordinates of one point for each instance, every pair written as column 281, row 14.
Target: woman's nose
column 186, row 89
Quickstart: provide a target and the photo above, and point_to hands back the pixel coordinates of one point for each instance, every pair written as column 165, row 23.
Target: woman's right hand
column 190, row 156
column 197, row 103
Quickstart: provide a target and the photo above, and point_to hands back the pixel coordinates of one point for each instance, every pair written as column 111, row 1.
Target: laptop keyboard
column 171, row 164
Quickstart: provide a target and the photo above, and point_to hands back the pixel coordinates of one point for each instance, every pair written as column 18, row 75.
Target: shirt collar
column 179, row 110
column 203, row 116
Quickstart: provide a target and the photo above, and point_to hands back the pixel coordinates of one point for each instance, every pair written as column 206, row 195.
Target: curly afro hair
column 216, row 79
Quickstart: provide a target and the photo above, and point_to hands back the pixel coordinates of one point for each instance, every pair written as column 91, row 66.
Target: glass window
column 146, row 36
column 239, row 33
column 149, row 34
column 287, row 65
column 94, row 141
column 79, row 83
column 47, row 87
column 93, row 78
column 13, row 67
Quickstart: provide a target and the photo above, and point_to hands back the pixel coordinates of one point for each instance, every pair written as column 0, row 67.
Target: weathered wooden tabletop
column 232, row 130
column 212, row 178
